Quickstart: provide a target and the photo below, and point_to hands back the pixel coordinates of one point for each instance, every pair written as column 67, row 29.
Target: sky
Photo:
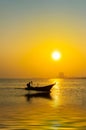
column 30, row 30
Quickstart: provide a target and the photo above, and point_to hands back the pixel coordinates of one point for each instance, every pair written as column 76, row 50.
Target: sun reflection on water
column 55, row 91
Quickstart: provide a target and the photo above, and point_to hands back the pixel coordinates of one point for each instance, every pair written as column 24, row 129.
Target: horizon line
column 73, row 77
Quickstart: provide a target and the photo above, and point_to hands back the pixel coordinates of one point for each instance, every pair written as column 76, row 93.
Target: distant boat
column 41, row 88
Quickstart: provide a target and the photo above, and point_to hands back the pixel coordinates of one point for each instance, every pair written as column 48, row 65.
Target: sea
column 63, row 108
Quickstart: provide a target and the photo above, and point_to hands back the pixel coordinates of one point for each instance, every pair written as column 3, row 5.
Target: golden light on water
column 56, row 55
column 55, row 91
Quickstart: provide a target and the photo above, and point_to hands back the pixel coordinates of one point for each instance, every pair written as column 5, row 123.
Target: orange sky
column 31, row 31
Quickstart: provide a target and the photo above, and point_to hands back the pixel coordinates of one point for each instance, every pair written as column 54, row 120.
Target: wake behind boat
column 41, row 88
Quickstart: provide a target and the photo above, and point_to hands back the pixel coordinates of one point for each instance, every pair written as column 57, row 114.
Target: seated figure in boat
column 29, row 84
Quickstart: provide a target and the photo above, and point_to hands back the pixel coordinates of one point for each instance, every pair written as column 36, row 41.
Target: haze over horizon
column 30, row 30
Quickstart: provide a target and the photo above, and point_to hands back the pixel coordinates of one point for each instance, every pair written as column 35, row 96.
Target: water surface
column 63, row 109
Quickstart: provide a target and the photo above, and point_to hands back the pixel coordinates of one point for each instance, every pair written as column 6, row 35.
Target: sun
column 56, row 55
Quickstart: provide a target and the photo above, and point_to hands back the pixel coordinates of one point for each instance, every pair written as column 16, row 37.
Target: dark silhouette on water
column 41, row 88
column 29, row 84
column 38, row 95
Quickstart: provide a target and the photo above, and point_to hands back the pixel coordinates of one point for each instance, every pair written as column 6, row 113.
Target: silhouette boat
column 40, row 88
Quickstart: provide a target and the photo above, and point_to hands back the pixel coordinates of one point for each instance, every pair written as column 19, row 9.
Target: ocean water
column 64, row 108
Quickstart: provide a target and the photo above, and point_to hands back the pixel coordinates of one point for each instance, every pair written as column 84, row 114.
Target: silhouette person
column 29, row 84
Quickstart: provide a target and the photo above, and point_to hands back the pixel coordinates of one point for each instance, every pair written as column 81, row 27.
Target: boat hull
column 44, row 88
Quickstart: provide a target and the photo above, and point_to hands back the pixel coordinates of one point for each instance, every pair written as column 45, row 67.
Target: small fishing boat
column 41, row 88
